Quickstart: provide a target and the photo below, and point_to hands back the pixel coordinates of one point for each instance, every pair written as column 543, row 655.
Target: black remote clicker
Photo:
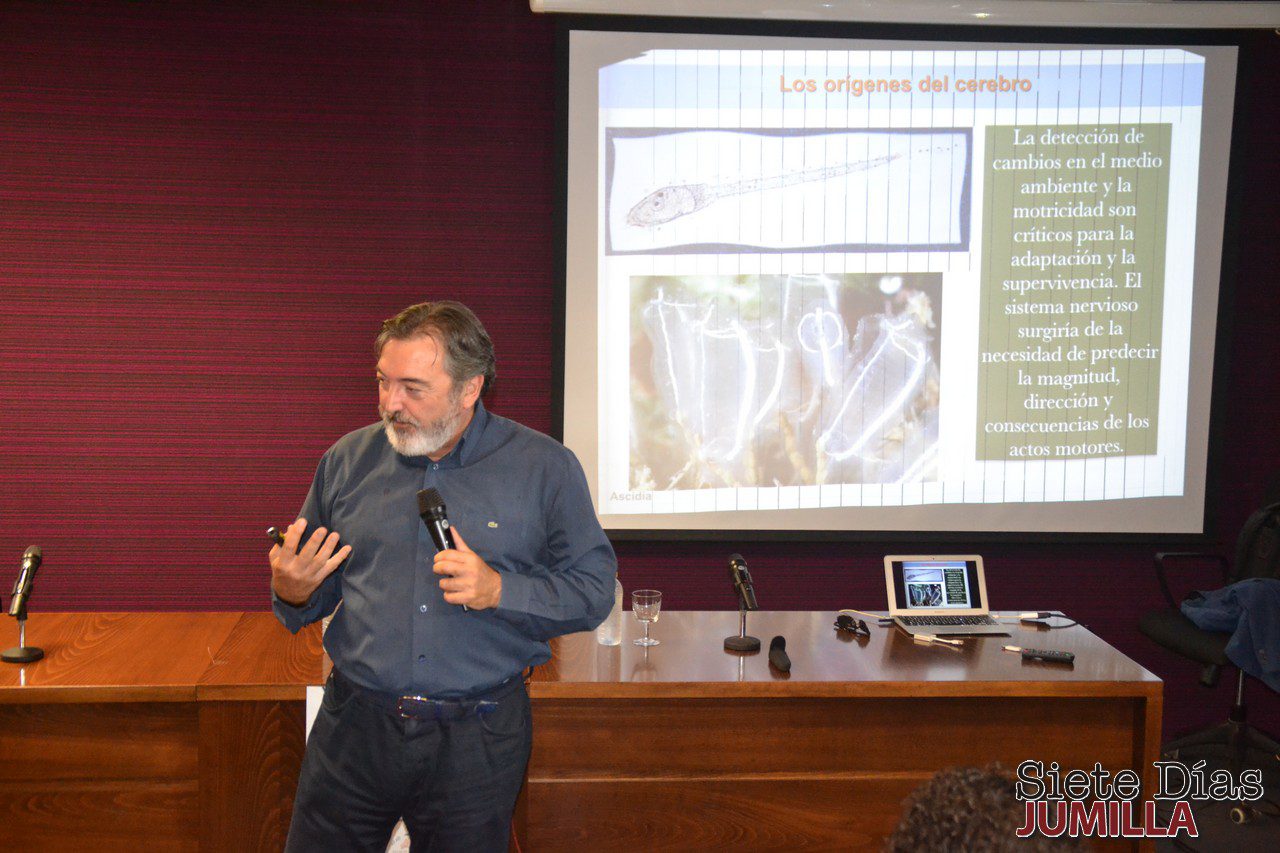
column 1046, row 655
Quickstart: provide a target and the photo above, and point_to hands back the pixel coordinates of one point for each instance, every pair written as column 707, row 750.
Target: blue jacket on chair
column 1251, row 609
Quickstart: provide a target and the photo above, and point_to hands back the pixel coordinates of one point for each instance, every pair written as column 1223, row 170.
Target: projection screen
column 838, row 285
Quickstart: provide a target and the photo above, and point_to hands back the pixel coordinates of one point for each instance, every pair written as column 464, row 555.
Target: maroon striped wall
column 205, row 211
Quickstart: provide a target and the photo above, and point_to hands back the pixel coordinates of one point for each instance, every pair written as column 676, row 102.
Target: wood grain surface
column 113, row 775
column 781, row 736
column 250, row 754
column 93, row 657
column 124, row 815
column 243, row 669
column 683, row 747
column 691, row 660
column 850, row 811
column 154, row 731
column 112, row 740
column 686, row 746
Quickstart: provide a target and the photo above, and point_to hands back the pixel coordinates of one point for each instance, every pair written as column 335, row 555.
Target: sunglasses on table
column 857, row 627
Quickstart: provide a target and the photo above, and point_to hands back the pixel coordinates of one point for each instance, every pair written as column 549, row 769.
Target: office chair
column 1257, row 555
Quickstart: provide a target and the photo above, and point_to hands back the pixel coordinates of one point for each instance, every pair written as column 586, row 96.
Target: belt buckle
column 423, row 701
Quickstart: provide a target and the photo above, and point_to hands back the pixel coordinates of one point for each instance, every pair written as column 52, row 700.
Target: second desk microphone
column 740, row 575
column 778, row 654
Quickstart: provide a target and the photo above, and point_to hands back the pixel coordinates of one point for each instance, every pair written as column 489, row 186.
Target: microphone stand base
column 741, row 644
column 22, row 654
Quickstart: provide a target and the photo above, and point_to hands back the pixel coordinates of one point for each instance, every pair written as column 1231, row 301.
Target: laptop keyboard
column 923, row 621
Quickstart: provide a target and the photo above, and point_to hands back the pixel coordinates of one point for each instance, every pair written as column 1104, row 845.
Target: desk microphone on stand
column 22, row 653
column 741, row 578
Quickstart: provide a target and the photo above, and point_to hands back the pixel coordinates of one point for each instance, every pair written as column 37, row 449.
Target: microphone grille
column 429, row 499
column 778, row 643
column 736, row 559
column 33, row 552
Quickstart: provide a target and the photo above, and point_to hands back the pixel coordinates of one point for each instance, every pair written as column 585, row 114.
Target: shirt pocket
column 504, row 541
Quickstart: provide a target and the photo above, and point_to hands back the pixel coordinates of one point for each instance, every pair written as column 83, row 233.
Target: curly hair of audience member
column 969, row 808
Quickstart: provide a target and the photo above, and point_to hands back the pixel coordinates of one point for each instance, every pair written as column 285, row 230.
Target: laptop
column 941, row 595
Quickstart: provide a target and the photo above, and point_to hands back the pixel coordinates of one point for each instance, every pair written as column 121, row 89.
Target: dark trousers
column 452, row 776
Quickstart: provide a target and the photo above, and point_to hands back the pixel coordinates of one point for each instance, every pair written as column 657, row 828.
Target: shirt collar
column 464, row 451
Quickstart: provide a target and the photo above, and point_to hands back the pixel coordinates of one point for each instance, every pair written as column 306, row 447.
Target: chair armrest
column 1162, row 579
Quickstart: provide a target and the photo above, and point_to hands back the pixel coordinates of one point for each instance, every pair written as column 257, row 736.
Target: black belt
column 418, row 707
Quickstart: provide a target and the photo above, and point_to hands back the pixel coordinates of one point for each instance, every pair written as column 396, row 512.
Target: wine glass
column 645, row 604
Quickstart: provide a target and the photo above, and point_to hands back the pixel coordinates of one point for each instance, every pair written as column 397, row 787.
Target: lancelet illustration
column 673, row 201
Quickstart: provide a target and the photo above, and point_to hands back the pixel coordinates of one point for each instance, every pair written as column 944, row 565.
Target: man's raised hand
column 297, row 572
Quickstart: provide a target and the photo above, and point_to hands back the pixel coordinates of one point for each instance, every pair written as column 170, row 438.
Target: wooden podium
column 185, row 731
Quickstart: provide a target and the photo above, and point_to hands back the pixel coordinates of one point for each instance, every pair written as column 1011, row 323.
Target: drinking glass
column 645, row 604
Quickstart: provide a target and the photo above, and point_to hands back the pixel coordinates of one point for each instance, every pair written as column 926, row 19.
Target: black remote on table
column 1048, row 655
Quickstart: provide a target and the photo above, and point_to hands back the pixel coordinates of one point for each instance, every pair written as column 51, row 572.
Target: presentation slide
column 936, row 585
column 840, row 286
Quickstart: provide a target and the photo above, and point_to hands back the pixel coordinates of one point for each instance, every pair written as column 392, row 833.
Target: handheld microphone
column 778, row 654
column 741, row 577
column 31, row 560
column 431, row 509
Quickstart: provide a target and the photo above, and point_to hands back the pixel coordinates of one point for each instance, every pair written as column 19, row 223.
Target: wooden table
column 689, row 747
column 153, row 731
column 183, row 731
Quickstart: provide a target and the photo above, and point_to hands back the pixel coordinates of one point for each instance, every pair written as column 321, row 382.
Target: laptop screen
column 937, row 585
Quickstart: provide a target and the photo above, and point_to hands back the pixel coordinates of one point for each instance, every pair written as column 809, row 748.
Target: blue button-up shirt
column 520, row 500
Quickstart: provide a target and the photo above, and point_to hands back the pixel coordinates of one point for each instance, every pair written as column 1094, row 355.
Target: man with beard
column 425, row 716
